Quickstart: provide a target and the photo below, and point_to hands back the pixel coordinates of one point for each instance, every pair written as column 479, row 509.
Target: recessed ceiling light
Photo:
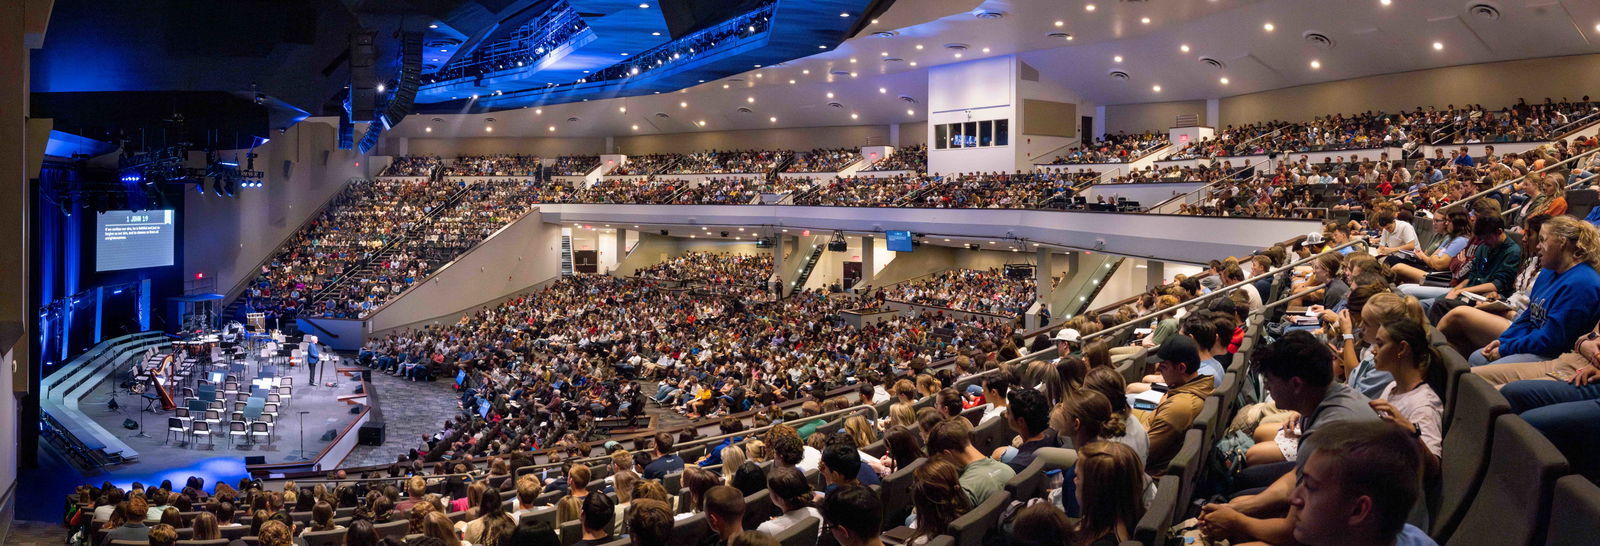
column 433, row 26
column 822, row 47
column 854, row 74
column 986, row 50
column 1224, row 81
column 758, row 66
column 1184, row 48
column 636, row 127
column 624, row 54
column 1316, row 64
column 883, row 90
column 791, row 82
column 844, row 14
column 1061, row 23
column 655, row 34
column 1438, row 45
column 1117, row 58
column 428, row 130
column 773, row 119
column 1145, row 20
column 883, row 54
column 1088, row 7
column 724, row 86
column 644, row 6
column 1385, row 2
column 853, row 115
column 852, row 60
column 830, row 94
column 1069, row 37
column 758, row 76
column 488, row 128
column 1268, row 27
column 622, row 109
column 683, row 105
column 1155, row 88
column 538, row 110
column 552, row 128
column 913, row 63
column 911, row 112
column 874, row 21
column 919, row 47
column 751, row 100
column 444, row 51
column 806, row 71
column 958, row 55
column 702, row 123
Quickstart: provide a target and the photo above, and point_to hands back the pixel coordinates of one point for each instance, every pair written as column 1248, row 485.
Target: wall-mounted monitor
column 899, row 241
column 126, row 239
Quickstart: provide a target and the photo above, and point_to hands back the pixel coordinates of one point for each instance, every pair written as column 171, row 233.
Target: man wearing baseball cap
column 1067, row 342
column 1178, row 362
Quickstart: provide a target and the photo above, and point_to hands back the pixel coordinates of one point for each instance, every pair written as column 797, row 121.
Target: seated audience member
column 321, row 519
column 791, row 494
column 1372, row 305
column 666, row 461
column 854, row 515
column 1040, row 524
column 1179, row 366
column 361, row 533
column 527, row 493
column 1493, row 269
column 649, row 522
column 1566, row 411
column 1458, row 233
column 437, row 525
column 131, row 520
column 205, row 527
column 163, row 535
column 1298, row 373
column 1394, row 235
column 1358, row 486
column 754, row 538
column 1110, row 384
column 1203, row 332
column 1469, row 327
column 1110, row 487
column 697, row 481
column 1564, row 303
column 724, row 509
column 1028, row 413
column 494, row 525
column 274, row 533
column 937, row 499
column 1403, row 350
column 789, row 450
column 570, row 507
column 598, row 513
column 980, row 476
column 841, row 465
column 1301, row 368
column 995, row 387
column 903, row 445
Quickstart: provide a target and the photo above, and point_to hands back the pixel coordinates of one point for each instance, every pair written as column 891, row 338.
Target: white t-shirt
column 1136, row 437
column 1401, row 234
column 992, row 412
column 1423, row 408
column 1253, row 295
column 810, row 459
column 782, row 523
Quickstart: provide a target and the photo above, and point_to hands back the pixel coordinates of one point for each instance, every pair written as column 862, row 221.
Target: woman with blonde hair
column 900, row 413
column 438, row 525
column 756, row 450
column 860, row 431
column 732, row 458
column 1564, row 302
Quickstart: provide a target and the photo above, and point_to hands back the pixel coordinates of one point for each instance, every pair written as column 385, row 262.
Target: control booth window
column 972, row 134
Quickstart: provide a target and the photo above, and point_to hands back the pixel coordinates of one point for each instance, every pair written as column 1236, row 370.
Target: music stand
column 301, row 455
column 148, row 400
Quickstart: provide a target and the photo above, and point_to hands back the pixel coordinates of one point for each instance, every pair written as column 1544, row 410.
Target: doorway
column 586, row 261
column 1086, row 129
column 852, row 274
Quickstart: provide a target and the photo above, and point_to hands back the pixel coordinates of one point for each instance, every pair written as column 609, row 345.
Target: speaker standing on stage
column 312, row 355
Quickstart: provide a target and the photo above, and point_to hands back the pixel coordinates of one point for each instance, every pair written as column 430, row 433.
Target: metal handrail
column 239, row 288
column 1227, row 177
column 1573, row 126
column 1290, row 298
column 1508, row 183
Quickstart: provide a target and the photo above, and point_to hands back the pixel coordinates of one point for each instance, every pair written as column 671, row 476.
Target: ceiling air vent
column 885, row 34
column 986, row 14
column 662, row 115
column 436, row 120
column 734, row 80
column 490, row 120
column 1118, row 74
column 573, row 119
column 892, row 59
column 442, row 42
column 1318, row 39
column 744, row 110
column 956, row 47
column 836, row 105
column 1059, row 35
column 908, row 99
column 840, row 73
column 1213, row 63
column 1485, row 11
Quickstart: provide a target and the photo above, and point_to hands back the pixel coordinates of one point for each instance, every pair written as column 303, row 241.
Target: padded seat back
column 758, row 508
column 1448, row 381
column 972, row 414
column 803, row 533
column 990, row 435
column 216, row 542
column 1186, row 466
column 896, row 495
column 395, row 530
column 1152, row 528
column 571, row 532
column 1576, row 509
column 689, row 531
column 324, row 538
column 1026, row 484
column 971, row 527
column 1513, row 504
column 1466, row 439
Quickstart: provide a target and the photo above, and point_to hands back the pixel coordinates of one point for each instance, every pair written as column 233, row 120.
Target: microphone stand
column 301, row 456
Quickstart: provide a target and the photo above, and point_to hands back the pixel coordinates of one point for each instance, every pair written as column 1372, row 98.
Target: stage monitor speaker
column 371, row 434
column 255, row 459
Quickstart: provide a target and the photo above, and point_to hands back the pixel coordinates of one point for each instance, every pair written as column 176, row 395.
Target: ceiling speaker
column 1118, row 74
column 1484, row 10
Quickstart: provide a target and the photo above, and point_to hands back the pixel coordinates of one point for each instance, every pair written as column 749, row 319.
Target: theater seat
column 1467, row 444
column 216, row 542
column 1186, row 465
column 1026, row 484
column 1576, row 511
column 758, row 508
column 324, row 538
column 571, row 532
column 896, row 495
column 689, row 531
column 991, row 435
column 1513, row 504
column 971, row 527
column 803, row 533
column 1454, row 368
column 395, row 529
column 1152, row 528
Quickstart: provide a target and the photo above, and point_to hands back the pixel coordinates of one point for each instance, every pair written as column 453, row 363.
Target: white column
column 1155, row 272
column 894, row 135
column 622, row 245
column 867, row 244
column 1044, row 266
